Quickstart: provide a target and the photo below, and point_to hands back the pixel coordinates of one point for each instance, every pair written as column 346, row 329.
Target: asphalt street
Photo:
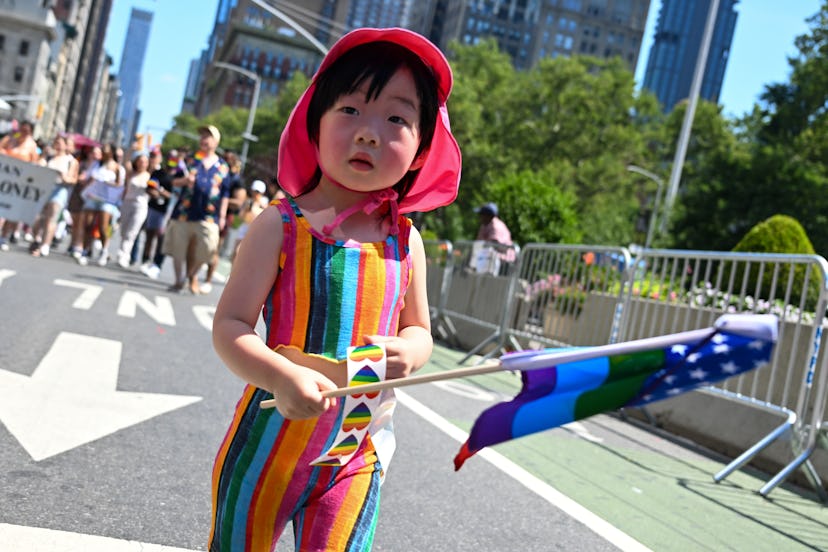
column 113, row 403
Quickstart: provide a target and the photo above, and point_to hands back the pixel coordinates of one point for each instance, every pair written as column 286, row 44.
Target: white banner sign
column 24, row 188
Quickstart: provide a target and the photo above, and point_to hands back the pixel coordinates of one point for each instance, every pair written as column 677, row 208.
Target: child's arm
column 411, row 349
column 297, row 389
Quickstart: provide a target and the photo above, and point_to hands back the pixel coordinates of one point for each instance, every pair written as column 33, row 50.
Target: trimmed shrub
column 781, row 234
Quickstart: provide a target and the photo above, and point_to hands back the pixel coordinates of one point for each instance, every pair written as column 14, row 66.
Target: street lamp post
column 254, row 102
column 293, row 24
column 654, row 214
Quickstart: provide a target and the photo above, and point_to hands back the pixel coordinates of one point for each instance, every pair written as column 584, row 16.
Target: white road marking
column 35, row 539
column 582, row 431
column 71, row 398
column 574, row 510
column 87, row 297
column 6, row 273
column 466, row 390
column 204, row 315
column 161, row 311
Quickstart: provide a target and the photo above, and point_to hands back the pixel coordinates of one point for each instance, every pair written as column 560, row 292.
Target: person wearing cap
column 494, row 232
column 334, row 265
column 251, row 208
column 491, row 228
column 160, row 190
column 192, row 236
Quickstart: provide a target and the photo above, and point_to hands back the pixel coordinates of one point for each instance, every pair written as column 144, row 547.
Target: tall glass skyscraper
column 129, row 72
column 678, row 35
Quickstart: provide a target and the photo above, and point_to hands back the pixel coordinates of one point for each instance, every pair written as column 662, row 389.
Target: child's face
column 368, row 146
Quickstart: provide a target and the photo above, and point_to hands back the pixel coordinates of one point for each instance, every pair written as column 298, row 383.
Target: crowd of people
column 190, row 206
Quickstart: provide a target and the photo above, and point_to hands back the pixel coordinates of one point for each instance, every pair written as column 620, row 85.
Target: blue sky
column 764, row 38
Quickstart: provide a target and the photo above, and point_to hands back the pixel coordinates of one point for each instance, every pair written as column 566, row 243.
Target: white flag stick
column 759, row 326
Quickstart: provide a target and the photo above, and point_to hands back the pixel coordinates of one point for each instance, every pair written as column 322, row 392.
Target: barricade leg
column 810, row 471
column 750, row 453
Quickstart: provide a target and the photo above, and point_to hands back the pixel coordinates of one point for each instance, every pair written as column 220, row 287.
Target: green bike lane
column 657, row 489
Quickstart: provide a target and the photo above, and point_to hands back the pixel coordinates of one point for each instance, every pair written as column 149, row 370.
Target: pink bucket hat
column 438, row 180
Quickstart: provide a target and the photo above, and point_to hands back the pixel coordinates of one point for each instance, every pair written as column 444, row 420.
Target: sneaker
column 45, row 250
column 76, row 253
column 123, row 261
column 153, row 272
column 206, row 287
column 104, row 258
column 4, row 245
column 28, row 237
column 83, row 260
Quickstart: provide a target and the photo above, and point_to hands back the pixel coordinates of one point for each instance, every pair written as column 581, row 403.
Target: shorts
column 155, row 220
column 60, row 195
column 103, row 206
column 181, row 233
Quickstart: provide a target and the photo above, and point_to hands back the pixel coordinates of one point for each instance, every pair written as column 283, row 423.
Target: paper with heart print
column 366, row 364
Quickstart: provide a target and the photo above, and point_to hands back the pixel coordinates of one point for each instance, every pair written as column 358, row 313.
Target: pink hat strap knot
column 368, row 205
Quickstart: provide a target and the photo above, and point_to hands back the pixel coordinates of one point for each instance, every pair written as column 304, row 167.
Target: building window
column 24, row 48
column 18, row 74
column 2, row 42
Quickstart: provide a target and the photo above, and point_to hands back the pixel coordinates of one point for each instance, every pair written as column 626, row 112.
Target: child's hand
column 398, row 355
column 299, row 395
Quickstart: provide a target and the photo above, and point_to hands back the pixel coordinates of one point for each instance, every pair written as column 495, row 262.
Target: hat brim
column 211, row 131
column 438, row 180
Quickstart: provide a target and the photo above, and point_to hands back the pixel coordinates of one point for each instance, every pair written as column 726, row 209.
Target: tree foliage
column 576, row 122
column 773, row 162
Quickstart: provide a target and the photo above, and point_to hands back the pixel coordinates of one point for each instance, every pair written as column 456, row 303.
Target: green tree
column 774, row 162
column 577, row 121
column 270, row 118
column 536, row 207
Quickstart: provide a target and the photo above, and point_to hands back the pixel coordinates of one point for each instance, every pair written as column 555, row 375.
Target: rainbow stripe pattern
column 372, row 353
column 329, row 293
column 556, row 395
column 327, row 296
column 358, row 418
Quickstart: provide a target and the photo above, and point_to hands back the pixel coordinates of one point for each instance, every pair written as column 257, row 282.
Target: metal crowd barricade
column 684, row 290
column 475, row 292
column 566, row 295
column 439, row 266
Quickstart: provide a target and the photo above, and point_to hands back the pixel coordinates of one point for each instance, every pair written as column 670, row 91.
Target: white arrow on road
column 71, row 398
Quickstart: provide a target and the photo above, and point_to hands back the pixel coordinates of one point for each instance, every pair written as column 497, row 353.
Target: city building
column 91, row 37
column 677, row 41
column 253, row 40
column 26, row 32
column 72, row 18
column 530, row 30
column 129, row 73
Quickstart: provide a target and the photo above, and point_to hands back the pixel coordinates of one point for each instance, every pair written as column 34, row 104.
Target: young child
column 335, row 265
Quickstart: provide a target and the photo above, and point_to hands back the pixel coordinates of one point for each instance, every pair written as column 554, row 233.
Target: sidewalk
column 656, row 488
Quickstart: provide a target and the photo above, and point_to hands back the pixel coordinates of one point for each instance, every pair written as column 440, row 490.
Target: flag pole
column 529, row 360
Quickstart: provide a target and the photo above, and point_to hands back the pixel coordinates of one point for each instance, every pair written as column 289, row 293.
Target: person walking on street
column 101, row 199
column 45, row 225
column 90, row 160
column 251, row 208
column 192, row 237
column 160, row 190
column 134, row 206
column 20, row 145
column 334, row 265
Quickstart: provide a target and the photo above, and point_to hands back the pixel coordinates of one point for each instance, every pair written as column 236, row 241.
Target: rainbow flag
column 553, row 395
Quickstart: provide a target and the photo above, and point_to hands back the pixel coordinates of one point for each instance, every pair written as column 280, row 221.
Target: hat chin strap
column 371, row 203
